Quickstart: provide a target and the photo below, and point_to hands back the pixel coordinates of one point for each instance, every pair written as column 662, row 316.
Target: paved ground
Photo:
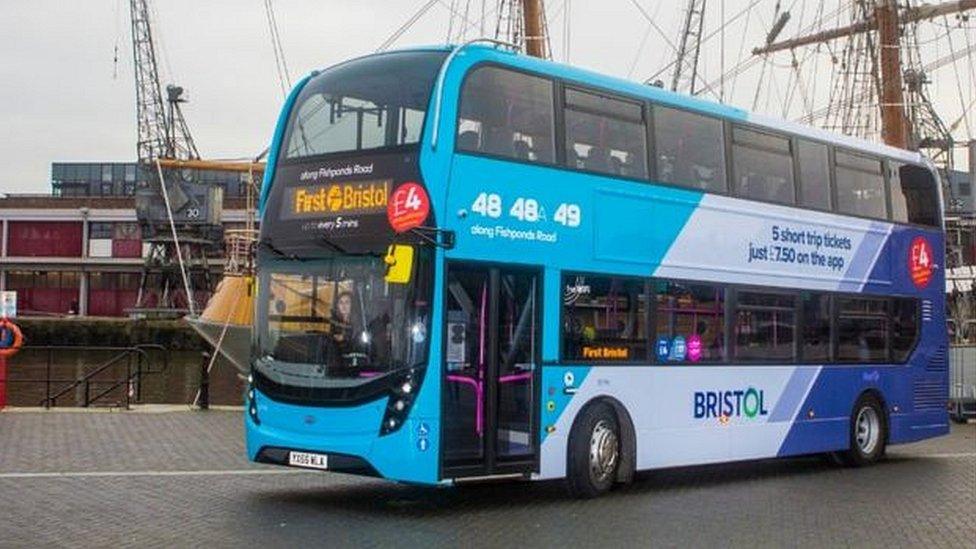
column 179, row 479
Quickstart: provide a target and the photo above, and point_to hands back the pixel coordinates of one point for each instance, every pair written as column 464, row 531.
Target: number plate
column 305, row 459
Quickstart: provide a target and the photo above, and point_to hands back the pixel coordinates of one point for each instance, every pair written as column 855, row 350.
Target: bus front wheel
column 594, row 451
column 869, row 433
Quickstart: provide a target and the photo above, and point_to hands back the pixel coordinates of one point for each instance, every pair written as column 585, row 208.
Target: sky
column 65, row 98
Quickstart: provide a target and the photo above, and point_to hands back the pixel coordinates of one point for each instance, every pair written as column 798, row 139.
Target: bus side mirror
column 399, row 264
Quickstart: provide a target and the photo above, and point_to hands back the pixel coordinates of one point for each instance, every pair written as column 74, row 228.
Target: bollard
column 203, row 400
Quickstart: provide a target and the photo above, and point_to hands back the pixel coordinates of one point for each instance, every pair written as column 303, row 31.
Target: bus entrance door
column 490, row 371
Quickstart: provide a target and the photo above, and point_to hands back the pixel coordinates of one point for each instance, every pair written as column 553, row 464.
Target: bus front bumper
column 349, row 437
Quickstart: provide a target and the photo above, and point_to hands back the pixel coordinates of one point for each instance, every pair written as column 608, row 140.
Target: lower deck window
column 862, row 329
column 816, row 318
column 690, row 325
column 904, row 327
column 604, row 319
column 628, row 320
column 765, row 327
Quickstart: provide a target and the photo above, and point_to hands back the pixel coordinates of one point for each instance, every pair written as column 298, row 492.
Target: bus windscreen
column 369, row 103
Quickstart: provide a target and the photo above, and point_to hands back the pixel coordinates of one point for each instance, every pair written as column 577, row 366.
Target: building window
column 690, row 322
column 862, row 332
column 860, row 186
column 914, row 196
column 814, row 164
column 604, row 319
column 507, row 113
column 765, row 327
column 816, row 327
column 100, row 229
column 762, row 166
column 605, row 135
column 130, row 173
column 690, row 149
column 106, row 173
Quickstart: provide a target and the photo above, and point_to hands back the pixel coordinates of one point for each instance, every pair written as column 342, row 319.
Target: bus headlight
column 252, row 405
column 403, row 390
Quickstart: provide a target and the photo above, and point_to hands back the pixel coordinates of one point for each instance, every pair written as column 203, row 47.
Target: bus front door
column 490, row 371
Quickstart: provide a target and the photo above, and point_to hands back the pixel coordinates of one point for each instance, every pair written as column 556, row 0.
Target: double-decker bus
column 475, row 263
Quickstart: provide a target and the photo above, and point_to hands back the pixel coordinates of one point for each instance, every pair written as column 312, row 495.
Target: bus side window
column 914, row 198
column 507, row 113
column 862, row 329
column 762, row 166
column 690, row 322
column 814, row 161
column 860, row 186
column 904, row 327
column 604, row 319
column 690, row 149
column 765, row 326
column 605, row 134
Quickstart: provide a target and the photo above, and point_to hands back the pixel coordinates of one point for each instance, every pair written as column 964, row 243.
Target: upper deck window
column 369, row 103
column 814, row 163
column 605, row 135
column 762, row 166
column 860, row 186
column 914, row 196
column 690, row 149
column 507, row 113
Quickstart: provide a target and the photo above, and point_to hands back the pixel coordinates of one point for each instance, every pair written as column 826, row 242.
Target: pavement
column 179, row 478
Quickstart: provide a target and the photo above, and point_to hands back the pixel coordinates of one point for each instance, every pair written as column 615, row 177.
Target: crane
column 180, row 218
column 689, row 47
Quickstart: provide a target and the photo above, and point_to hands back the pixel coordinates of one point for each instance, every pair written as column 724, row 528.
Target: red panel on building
column 110, row 294
column 44, row 239
column 126, row 240
column 45, row 292
column 126, row 248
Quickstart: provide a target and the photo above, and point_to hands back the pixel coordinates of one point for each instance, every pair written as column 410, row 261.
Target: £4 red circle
column 920, row 258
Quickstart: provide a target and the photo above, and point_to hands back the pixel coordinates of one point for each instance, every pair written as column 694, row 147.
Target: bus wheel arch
column 594, row 414
column 869, row 429
column 628, row 441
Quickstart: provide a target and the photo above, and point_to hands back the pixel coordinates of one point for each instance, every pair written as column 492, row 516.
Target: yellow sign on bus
column 340, row 198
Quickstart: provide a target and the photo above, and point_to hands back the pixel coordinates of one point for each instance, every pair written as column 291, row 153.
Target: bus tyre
column 594, row 452
column 868, row 433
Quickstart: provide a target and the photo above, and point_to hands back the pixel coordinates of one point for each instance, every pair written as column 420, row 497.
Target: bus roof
column 480, row 52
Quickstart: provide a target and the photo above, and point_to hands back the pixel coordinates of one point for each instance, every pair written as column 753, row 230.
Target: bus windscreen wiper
column 266, row 242
column 326, row 241
column 335, row 247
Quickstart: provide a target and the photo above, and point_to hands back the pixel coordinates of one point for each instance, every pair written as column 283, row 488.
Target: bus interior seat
column 468, row 140
column 598, row 160
column 573, row 158
column 618, row 166
column 522, row 149
column 498, row 141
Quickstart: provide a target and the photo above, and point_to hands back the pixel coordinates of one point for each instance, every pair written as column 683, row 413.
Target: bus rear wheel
column 869, row 433
column 594, row 452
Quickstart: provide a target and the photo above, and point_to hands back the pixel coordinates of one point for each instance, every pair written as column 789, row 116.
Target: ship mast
column 889, row 24
column 535, row 36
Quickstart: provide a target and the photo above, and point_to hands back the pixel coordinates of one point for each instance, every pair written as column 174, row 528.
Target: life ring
column 11, row 338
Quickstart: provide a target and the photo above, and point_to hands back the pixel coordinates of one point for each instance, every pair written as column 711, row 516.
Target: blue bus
column 477, row 264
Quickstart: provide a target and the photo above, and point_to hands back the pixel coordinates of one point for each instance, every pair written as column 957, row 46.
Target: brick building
column 79, row 249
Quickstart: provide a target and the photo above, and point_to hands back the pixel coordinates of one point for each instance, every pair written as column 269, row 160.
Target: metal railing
column 125, row 369
column 962, row 381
